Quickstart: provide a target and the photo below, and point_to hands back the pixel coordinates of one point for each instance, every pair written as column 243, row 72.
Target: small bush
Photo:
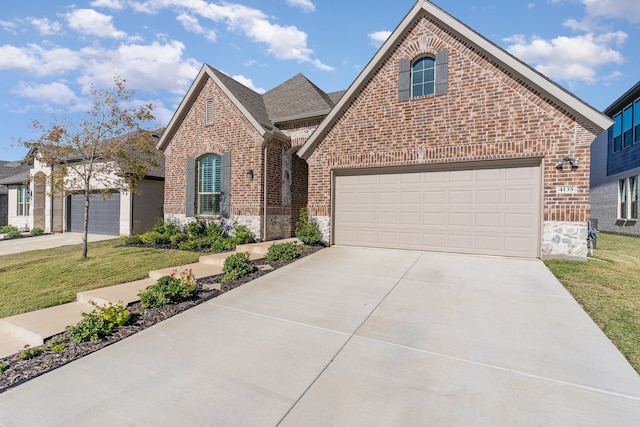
column 307, row 229
column 37, row 232
column 169, row 228
column 197, row 228
column 7, row 228
column 2, row 367
column 189, row 245
column 30, row 352
column 282, row 252
column 99, row 323
column 155, row 238
column 215, row 230
column 10, row 232
column 242, row 234
column 132, row 240
column 169, row 289
column 236, row 266
column 178, row 238
column 223, row 244
column 58, row 347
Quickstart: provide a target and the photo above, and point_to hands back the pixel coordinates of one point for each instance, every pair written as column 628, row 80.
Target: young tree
column 106, row 148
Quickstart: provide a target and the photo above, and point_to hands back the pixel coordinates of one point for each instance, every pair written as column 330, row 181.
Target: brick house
column 230, row 152
column 444, row 142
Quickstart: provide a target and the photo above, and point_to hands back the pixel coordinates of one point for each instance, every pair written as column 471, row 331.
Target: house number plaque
column 566, row 189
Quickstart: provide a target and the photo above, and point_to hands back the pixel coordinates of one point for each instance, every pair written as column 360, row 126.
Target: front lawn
column 40, row 279
column 608, row 288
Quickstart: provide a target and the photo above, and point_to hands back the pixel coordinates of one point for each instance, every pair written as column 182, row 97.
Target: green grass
column 608, row 288
column 39, row 279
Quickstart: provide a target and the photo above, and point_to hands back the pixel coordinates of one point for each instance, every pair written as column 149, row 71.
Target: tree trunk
column 85, row 229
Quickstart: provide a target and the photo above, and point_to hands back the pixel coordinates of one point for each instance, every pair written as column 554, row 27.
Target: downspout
column 264, row 193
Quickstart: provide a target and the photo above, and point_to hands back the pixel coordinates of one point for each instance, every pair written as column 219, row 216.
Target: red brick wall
column 485, row 115
column 299, row 188
column 230, row 131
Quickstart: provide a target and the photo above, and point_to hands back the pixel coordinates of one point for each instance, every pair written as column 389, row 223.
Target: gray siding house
column 615, row 167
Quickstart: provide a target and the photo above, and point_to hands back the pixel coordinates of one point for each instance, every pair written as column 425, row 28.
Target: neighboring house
column 33, row 204
column 230, row 152
column 444, row 142
column 8, row 169
column 615, row 167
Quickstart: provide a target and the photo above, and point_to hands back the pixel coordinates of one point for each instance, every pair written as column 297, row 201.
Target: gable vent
column 209, row 112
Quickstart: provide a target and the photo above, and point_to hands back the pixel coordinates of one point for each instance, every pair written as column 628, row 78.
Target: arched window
column 209, row 180
column 423, row 76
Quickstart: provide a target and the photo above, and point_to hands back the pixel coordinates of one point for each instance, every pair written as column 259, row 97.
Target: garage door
column 491, row 211
column 104, row 214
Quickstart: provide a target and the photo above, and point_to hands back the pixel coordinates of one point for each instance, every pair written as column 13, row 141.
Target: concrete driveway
column 358, row 337
column 47, row 241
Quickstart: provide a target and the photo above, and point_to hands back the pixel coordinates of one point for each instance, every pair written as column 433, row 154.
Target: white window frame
column 628, row 198
column 24, row 200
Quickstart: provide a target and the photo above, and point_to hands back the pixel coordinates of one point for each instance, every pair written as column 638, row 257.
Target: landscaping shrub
column 155, row 238
column 223, row 244
column 37, row 232
column 10, row 232
column 169, row 289
column 132, row 240
column 282, row 252
column 169, row 228
column 307, row 229
column 99, row 323
column 2, row 367
column 236, row 266
column 178, row 238
column 197, row 228
column 242, row 234
column 30, row 352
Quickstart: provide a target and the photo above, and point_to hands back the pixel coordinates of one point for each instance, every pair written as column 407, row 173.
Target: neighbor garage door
column 492, row 211
column 104, row 213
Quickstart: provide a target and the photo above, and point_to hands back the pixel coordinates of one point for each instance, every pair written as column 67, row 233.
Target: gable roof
column 296, row 99
column 539, row 82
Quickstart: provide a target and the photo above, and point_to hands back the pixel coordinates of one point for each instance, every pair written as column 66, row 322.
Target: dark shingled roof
column 250, row 99
column 13, row 173
column 296, row 98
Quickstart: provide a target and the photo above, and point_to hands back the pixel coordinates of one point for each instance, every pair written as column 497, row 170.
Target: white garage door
column 491, row 211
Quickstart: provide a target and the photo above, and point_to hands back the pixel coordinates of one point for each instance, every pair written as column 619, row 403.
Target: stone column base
column 565, row 240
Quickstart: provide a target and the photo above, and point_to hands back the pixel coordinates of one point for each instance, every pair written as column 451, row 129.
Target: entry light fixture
column 573, row 161
column 250, row 174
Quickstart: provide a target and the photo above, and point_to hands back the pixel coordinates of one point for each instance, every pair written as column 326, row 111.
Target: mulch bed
column 18, row 371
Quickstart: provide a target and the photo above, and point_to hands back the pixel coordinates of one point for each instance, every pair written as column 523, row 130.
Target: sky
column 51, row 53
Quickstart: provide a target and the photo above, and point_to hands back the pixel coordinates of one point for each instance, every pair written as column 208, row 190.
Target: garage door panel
column 484, row 211
column 104, row 213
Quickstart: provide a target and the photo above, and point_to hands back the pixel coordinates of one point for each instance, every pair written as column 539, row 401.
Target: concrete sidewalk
column 47, row 241
column 351, row 336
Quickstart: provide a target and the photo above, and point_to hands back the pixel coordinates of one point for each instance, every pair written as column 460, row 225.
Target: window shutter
column 404, row 80
column 191, row 187
column 225, row 185
column 442, row 72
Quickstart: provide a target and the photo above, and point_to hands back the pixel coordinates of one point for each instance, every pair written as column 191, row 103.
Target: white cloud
column 624, row 9
column 90, row 22
column 9, row 26
column 569, row 58
column 108, row 4
column 39, row 60
column 52, row 93
column 146, row 67
column 191, row 24
column 306, row 5
column 283, row 42
column 248, row 83
column 379, row 37
column 45, row 27
column 531, row 5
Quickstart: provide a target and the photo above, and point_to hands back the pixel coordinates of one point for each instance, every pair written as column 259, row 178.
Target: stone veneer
column 567, row 240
